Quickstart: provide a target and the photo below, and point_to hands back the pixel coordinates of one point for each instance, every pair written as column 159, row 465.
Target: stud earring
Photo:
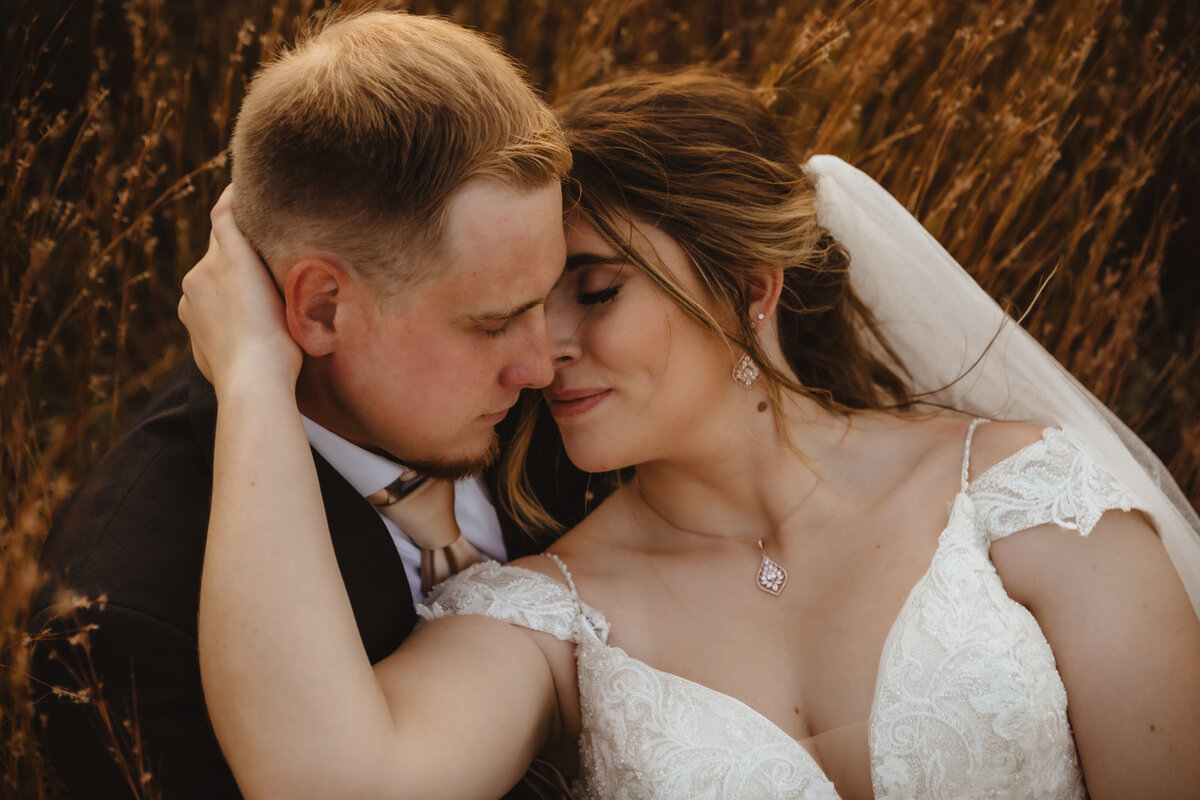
column 761, row 316
column 745, row 371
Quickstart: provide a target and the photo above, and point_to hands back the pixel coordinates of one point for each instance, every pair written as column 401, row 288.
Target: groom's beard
column 455, row 468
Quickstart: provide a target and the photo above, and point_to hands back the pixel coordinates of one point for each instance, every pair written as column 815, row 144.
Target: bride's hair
column 700, row 157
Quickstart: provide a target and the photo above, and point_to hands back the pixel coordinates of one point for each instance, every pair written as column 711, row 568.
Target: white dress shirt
column 368, row 473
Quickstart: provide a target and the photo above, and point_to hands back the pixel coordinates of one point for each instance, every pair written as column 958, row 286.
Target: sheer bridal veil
column 939, row 321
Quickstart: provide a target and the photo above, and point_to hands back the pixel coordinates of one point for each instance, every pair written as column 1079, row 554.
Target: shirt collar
column 367, row 472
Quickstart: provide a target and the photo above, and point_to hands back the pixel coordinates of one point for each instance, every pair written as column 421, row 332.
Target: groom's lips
column 494, row 419
column 573, row 402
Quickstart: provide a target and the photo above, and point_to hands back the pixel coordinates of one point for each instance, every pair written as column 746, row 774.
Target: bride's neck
column 748, row 477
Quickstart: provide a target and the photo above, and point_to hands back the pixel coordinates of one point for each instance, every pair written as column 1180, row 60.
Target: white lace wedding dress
column 968, row 702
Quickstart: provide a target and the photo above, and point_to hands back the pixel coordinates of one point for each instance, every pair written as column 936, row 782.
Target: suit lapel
column 370, row 566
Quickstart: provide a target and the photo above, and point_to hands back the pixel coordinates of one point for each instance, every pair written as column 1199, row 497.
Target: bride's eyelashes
column 600, row 285
column 598, row 297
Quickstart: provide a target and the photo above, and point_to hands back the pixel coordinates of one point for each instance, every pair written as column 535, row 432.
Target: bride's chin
column 595, row 459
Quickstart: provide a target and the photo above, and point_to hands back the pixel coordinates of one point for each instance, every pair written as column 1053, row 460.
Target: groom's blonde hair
column 352, row 143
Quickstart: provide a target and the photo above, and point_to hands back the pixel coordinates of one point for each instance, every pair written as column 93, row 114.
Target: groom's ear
column 313, row 291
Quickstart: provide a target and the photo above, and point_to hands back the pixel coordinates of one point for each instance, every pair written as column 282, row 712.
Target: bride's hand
column 233, row 311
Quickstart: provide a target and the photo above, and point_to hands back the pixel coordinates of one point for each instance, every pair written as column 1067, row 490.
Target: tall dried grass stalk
column 1033, row 139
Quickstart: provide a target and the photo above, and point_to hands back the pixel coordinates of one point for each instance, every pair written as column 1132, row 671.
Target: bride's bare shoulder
column 995, row 441
column 540, row 563
column 992, row 441
column 928, row 451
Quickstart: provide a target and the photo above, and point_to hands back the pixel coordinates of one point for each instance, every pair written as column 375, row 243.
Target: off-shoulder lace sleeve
column 1052, row 480
column 510, row 594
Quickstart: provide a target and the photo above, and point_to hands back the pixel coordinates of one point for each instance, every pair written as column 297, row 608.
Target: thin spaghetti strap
column 566, row 574
column 966, row 463
column 599, row 626
column 594, row 620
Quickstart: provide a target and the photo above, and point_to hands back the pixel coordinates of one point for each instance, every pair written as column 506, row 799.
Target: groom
column 385, row 152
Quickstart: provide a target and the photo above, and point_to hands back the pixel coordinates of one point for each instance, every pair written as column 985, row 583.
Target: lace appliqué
column 969, row 702
column 516, row 596
column 648, row 734
column 1053, row 480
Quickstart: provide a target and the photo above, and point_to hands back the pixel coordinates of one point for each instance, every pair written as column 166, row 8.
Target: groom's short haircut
column 351, row 144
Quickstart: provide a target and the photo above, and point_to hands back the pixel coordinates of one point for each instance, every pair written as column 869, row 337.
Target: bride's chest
column 807, row 660
column 949, row 669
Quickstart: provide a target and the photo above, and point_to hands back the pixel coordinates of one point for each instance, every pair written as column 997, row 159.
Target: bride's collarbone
column 857, row 583
column 697, row 612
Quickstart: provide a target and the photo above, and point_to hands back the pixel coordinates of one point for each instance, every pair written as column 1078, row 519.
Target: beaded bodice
column 968, row 701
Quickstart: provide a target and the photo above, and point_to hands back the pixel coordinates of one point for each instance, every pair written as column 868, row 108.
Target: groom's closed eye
column 494, row 323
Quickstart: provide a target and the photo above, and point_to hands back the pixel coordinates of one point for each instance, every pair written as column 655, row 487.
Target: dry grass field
column 1041, row 142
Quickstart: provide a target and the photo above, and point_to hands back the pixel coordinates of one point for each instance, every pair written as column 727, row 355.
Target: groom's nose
column 530, row 366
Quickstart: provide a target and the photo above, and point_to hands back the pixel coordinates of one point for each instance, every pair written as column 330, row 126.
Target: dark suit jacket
column 132, row 540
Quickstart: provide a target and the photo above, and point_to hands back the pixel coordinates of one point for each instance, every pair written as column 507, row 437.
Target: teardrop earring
column 745, row 371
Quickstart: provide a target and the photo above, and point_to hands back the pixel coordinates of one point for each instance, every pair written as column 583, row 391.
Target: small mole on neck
column 762, row 405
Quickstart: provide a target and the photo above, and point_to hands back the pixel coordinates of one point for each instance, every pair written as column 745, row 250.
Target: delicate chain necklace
column 771, row 576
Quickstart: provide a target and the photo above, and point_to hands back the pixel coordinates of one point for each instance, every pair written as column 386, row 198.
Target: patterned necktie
column 424, row 510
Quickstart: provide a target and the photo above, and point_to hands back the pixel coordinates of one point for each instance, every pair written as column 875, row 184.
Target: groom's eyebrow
column 493, row 317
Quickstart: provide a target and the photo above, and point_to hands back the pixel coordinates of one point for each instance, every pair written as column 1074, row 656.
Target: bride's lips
column 573, row 402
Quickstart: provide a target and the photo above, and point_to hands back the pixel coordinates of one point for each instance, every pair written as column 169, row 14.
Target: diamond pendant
column 772, row 577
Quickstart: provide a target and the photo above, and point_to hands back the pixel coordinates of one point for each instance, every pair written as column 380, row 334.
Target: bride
column 822, row 572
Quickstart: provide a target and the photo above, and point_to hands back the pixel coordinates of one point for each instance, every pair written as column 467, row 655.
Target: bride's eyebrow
column 591, row 260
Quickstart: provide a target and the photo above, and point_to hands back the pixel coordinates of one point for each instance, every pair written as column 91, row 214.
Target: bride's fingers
column 231, row 307
column 184, row 311
column 230, row 281
column 225, row 201
column 211, row 255
column 229, row 238
column 234, row 253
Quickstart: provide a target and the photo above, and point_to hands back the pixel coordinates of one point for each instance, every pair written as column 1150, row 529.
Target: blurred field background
column 1039, row 141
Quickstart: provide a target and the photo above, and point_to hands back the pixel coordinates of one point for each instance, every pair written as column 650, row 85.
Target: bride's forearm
column 281, row 659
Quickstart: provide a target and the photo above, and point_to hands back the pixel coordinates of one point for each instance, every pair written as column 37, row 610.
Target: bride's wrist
column 259, row 379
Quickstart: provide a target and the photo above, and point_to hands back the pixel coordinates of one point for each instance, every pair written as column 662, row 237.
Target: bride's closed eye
column 599, row 283
column 598, row 297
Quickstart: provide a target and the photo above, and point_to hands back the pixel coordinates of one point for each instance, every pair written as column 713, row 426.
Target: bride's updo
column 700, row 157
